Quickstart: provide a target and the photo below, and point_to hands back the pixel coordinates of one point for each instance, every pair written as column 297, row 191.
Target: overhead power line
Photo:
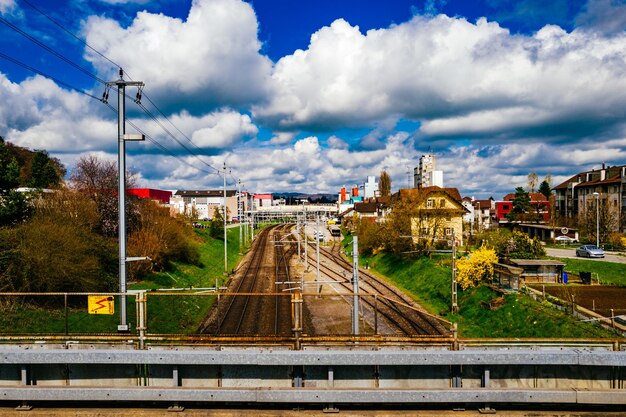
column 100, row 80
column 69, row 32
column 157, row 121
column 51, row 50
column 81, row 91
column 43, row 74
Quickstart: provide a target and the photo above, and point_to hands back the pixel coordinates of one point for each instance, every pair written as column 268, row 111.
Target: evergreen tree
column 42, row 172
column 521, row 205
column 384, row 184
column 545, row 189
column 13, row 205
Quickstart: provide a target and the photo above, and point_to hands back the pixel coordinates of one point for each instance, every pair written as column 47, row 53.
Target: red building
column 502, row 209
column 539, row 204
column 158, row 195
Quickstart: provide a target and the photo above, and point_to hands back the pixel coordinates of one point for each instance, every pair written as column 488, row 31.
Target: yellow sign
column 100, row 304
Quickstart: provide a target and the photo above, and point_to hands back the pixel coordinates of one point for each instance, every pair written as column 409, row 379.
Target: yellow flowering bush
column 478, row 267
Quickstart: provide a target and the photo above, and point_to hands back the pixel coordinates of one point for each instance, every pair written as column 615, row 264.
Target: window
column 442, row 203
column 430, row 203
column 424, row 231
column 448, row 231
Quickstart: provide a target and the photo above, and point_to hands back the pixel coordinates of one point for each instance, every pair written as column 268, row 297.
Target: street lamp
column 597, row 197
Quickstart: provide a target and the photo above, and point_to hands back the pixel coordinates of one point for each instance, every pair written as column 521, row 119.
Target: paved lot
column 570, row 252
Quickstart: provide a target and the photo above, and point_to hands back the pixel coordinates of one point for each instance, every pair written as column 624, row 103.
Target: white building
column 425, row 174
column 370, row 188
column 203, row 203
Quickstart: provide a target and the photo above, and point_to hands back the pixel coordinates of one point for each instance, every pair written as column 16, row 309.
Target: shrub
column 476, row 268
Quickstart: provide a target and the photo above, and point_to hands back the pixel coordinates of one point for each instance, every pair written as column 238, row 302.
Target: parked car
column 565, row 239
column 590, row 251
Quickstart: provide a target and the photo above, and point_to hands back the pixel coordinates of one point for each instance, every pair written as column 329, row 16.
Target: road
column 570, row 252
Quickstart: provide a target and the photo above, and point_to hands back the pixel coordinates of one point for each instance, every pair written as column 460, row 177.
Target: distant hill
column 294, row 198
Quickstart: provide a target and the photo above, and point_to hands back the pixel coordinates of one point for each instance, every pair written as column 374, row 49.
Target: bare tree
column 593, row 218
column 533, row 180
column 97, row 178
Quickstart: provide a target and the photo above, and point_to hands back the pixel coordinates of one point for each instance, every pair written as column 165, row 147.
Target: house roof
column 365, row 207
column 510, row 268
column 205, row 193
column 452, row 192
column 425, row 192
column 613, row 175
column 345, row 212
column 482, row 204
column 536, row 262
column 533, row 197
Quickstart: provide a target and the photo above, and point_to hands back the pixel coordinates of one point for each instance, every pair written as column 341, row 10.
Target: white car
column 565, row 239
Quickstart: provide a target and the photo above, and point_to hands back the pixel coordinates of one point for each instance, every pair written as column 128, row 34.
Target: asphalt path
column 570, row 252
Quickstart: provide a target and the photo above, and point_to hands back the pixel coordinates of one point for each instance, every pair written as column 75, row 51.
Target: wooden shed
column 539, row 270
column 507, row 276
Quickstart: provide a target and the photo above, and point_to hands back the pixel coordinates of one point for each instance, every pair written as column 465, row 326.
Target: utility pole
column 455, row 306
column 317, row 239
column 122, row 137
column 306, row 242
column 225, row 231
column 239, row 216
column 355, row 285
column 597, row 198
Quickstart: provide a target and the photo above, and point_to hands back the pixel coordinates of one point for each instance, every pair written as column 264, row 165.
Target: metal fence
column 196, row 314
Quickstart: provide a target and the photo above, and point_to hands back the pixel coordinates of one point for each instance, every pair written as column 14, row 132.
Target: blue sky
column 312, row 95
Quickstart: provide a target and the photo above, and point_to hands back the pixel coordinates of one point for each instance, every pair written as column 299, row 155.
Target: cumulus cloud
column 282, row 138
column 45, row 116
column 607, row 16
column 7, row 6
column 457, row 77
column 336, row 142
column 209, row 60
column 223, row 129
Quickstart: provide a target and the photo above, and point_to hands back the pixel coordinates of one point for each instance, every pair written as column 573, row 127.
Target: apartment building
column 605, row 186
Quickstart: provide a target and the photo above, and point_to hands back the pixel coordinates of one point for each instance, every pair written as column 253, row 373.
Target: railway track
column 400, row 313
column 256, row 309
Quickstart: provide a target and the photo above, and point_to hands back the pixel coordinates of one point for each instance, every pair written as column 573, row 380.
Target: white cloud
column 282, row 138
column 45, row 116
column 608, row 16
column 223, row 130
column 336, row 142
column 456, row 77
column 209, row 60
column 7, row 6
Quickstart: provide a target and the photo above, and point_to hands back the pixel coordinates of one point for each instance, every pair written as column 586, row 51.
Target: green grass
column 204, row 275
column 608, row 272
column 429, row 282
column 165, row 313
column 184, row 313
column 519, row 317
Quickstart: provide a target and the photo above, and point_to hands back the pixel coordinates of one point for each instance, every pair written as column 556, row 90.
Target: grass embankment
column 176, row 312
column 166, row 313
column 429, row 282
column 611, row 273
